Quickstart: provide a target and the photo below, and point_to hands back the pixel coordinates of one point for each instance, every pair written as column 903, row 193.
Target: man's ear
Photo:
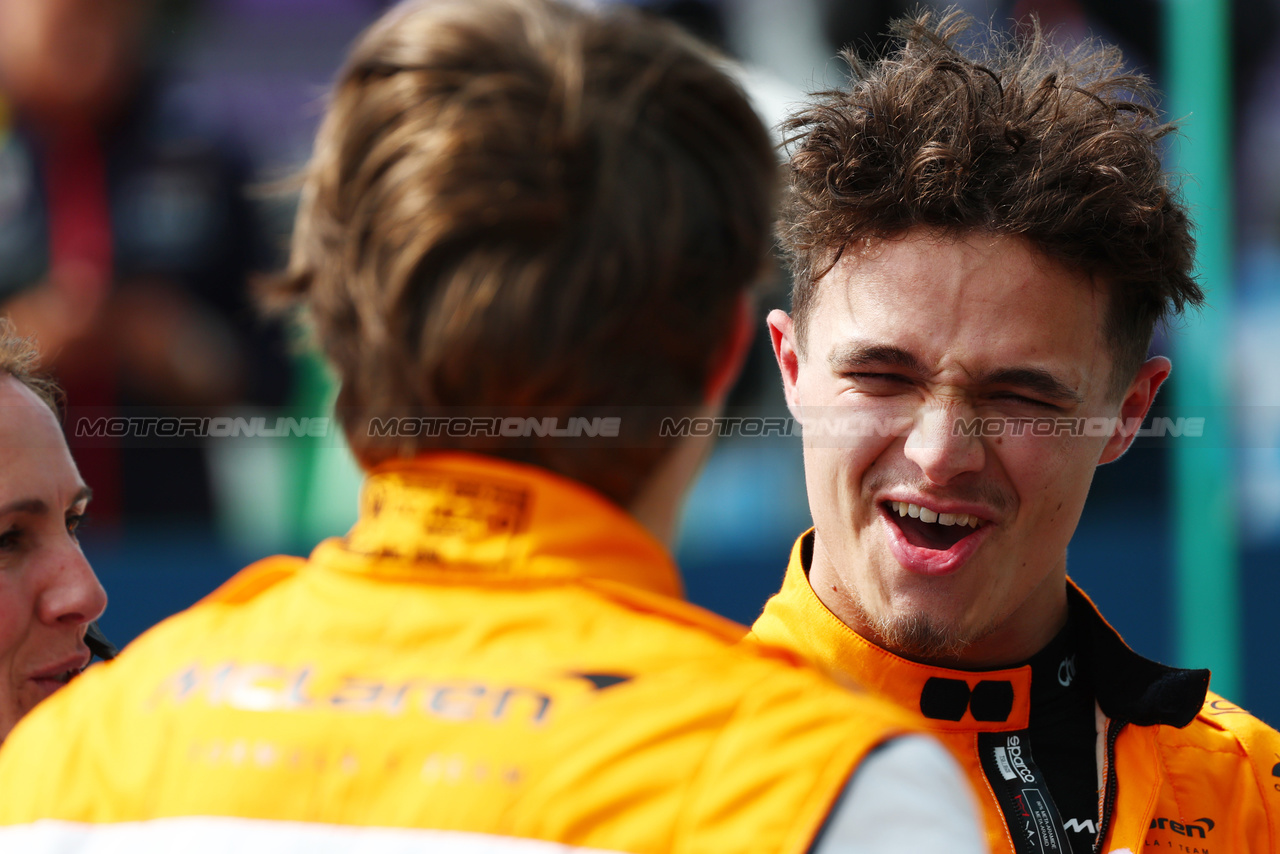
column 733, row 353
column 1135, row 405
column 782, row 334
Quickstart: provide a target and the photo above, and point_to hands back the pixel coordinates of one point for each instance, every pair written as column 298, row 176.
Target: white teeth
column 924, row 514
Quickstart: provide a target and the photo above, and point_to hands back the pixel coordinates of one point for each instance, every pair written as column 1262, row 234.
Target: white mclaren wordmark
column 1078, row 825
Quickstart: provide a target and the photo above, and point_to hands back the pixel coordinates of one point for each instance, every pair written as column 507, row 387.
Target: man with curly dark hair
column 983, row 240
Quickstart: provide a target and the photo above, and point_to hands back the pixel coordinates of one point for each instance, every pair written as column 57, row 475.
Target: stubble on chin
column 913, row 633
column 917, row 635
column 920, row 637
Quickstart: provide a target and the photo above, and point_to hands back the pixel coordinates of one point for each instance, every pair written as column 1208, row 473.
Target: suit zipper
column 1109, row 787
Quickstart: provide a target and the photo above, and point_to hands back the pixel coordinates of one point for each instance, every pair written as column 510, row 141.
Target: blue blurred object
column 739, row 523
column 153, row 576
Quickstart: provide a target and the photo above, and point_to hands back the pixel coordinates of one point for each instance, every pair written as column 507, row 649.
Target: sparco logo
column 1014, row 746
column 1199, row 827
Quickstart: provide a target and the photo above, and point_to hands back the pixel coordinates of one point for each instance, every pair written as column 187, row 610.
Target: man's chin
column 920, row 629
column 919, row 637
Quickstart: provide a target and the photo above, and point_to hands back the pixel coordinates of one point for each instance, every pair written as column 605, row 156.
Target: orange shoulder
column 1224, row 726
column 255, row 578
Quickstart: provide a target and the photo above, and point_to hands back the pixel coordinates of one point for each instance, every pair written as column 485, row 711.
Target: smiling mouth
column 927, row 529
column 62, row 677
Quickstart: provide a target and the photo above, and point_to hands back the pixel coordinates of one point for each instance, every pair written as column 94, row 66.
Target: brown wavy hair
column 1007, row 134
column 519, row 203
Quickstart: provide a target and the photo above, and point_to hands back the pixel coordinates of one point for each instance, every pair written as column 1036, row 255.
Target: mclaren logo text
column 1076, row 825
column 1199, row 828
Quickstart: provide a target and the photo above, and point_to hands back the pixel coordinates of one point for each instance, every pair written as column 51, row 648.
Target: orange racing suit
column 1180, row 768
column 492, row 653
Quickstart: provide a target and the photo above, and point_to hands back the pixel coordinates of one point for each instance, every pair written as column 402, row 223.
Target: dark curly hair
column 1015, row 136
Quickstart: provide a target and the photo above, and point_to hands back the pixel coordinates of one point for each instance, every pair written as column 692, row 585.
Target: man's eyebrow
column 1035, row 380
column 858, row 354
column 84, row 494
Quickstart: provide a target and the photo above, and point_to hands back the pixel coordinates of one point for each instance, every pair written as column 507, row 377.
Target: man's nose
column 942, row 443
column 73, row 594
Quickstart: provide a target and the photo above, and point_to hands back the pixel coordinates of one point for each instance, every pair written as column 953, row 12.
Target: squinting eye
column 74, row 522
column 1017, row 398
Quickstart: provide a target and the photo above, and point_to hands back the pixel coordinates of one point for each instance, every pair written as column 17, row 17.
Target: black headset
column 98, row 643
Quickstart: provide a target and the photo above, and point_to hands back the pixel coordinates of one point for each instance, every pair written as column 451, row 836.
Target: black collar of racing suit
column 1127, row 685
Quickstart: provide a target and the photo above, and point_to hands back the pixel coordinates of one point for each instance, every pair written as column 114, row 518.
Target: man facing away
column 984, row 236
column 524, row 209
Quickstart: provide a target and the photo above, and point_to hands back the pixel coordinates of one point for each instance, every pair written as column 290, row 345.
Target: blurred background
column 142, row 147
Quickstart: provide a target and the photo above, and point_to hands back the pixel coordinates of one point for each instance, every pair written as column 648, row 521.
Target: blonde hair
column 20, row 359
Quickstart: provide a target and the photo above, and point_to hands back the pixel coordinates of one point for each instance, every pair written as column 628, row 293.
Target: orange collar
column 1128, row 686
column 990, row 701
column 462, row 517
